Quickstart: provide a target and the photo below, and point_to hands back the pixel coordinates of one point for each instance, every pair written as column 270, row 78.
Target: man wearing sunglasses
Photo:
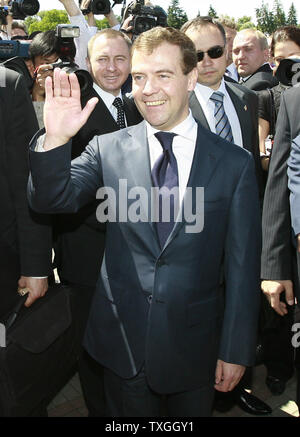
column 212, row 94
column 239, row 124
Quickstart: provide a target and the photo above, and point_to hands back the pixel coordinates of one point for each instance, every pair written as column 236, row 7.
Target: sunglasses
column 214, row 53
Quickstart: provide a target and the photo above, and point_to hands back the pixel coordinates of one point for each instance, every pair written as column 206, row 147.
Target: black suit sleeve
column 33, row 231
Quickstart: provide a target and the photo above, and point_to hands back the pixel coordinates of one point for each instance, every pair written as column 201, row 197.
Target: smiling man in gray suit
column 160, row 322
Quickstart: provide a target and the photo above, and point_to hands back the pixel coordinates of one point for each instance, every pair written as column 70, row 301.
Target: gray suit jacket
column 165, row 307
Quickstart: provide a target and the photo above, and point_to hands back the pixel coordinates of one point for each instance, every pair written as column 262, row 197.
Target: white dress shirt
column 231, row 71
column 203, row 94
column 108, row 100
column 183, row 147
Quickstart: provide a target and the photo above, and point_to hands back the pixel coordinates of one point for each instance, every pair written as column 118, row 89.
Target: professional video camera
column 288, row 72
column 99, row 7
column 65, row 34
column 19, row 9
column 13, row 55
column 145, row 17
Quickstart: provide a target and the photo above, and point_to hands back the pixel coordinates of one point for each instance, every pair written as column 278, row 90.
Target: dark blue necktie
column 165, row 177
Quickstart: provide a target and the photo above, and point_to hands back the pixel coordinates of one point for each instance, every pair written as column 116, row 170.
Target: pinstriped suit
column 278, row 254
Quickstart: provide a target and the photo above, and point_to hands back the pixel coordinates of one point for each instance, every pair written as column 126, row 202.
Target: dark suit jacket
column 246, row 105
column 182, row 330
column 262, row 79
column 278, row 253
column 79, row 238
column 25, row 239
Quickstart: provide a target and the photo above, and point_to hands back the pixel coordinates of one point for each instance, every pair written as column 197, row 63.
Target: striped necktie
column 223, row 128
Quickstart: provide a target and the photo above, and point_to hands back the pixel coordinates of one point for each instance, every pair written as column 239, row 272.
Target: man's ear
column 88, row 63
column 192, row 79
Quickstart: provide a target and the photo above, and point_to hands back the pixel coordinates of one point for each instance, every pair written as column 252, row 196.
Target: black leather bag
column 43, row 343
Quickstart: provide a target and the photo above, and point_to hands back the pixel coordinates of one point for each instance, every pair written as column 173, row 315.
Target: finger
column 298, row 242
column 75, row 88
column 289, row 294
column 218, row 374
column 49, row 88
column 88, row 109
column 58, row 74
column 65, row 87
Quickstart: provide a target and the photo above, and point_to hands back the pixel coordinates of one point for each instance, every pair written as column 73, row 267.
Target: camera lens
column 29, row 7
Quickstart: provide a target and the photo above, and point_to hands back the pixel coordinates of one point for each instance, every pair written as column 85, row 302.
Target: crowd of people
column 178, row 319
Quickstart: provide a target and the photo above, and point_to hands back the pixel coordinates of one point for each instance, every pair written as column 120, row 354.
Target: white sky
column 233, row 8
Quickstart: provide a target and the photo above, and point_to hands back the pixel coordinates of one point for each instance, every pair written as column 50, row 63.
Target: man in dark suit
column 240, row 106
column 160, row 322
column 250, row 54
column 80, row 239
column 279, row 269
column 25, row 243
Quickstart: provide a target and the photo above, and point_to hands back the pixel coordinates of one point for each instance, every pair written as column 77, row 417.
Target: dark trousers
column 90, row 372
column 134, row 398
column 9, row 276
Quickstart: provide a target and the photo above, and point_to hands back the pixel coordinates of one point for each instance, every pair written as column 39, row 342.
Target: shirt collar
column 206, row 92
column 107, row 98
column 183, row 129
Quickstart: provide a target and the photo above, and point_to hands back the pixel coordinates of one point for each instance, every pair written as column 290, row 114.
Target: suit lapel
column 138, row 169
column 240, row 103
column 197, row 110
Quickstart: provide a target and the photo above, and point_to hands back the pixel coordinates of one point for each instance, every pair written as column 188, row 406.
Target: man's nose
column 206, row 60
column 111, row 65
column 150, row 87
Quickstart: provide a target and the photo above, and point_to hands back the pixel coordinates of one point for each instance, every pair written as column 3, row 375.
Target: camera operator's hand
column 63, row 115
column 38, row 90
column 127, row 26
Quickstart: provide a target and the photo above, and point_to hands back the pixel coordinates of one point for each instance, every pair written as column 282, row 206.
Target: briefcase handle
column 15, row 311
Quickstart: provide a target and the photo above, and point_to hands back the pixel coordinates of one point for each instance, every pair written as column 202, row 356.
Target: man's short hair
column 19, row 25
column 110, row 34
column 148, row 41
column 200, row 22
column 227, row 22
column 285, row 33
column 44, row 44
column 261, row 37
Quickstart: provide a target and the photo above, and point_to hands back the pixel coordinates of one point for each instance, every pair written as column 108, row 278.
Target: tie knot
column 217, row 96
column 165, row 139
column 118, row 103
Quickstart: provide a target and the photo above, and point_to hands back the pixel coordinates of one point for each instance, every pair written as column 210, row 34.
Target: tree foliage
column 269, row 20
column 292, row 16
column 48, row 20
column 212, row 12
column 176, row 15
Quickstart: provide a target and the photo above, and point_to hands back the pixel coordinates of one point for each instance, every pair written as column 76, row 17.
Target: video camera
column 145, row 17
column 288, row 71
column 99, row 7
column 66, row 50
column 19, row 9
column 13, row 55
